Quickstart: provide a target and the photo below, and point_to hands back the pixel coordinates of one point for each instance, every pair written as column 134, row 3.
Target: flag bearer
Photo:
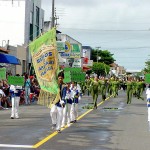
column 56, row 111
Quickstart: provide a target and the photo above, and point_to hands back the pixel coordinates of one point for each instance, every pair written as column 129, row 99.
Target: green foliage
column 147, row 68
column 102, row 56
column 89, row 72
column 101, row 68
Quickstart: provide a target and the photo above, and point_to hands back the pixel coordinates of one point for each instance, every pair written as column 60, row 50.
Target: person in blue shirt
column 27, row 86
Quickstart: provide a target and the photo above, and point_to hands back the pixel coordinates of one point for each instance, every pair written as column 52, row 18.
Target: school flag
column 45, row 62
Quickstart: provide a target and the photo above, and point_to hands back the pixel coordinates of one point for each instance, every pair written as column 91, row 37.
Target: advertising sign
column 77, row 63
column 66, row 53
column 60, row 46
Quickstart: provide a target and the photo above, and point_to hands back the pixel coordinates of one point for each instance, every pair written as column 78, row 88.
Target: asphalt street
column 113, row 126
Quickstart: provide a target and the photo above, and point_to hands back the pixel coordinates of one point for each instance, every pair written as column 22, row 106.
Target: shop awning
column 9, row 59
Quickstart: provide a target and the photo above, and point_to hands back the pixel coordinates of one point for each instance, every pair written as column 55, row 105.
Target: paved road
column 124, row 127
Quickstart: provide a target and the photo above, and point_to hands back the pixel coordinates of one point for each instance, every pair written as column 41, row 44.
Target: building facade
column 21, row 22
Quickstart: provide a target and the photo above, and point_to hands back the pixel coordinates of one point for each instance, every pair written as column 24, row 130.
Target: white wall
column 12, row 17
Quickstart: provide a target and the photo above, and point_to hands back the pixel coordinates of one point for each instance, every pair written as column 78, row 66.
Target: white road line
column 16, row 146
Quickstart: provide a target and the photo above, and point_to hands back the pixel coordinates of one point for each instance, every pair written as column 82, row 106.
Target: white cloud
column 102, row 14
column 96, row 15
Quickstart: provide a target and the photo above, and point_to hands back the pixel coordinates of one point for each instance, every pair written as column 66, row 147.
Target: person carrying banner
column 56, row 111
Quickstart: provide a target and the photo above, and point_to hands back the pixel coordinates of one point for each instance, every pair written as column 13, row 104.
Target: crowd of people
column 26, row 94
column 65, row 111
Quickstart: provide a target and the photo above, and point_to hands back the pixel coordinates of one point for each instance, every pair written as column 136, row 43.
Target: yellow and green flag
column 45, row 62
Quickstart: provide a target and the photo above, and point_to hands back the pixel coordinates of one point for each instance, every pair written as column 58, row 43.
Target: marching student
column 148, row 104
column 74, row 107
column 56, row 111
column 67, row 98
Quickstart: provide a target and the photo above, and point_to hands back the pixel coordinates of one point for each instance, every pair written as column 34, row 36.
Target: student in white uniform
column 67, row 98
column 15, row 99
column 56, row 111
column 148, row 103
column 76, row 97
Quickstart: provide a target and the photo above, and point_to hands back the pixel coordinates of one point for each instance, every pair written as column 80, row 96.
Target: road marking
column 16, row 146
column 55, row 133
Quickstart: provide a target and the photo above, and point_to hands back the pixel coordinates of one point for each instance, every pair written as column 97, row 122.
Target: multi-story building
column 21, row 21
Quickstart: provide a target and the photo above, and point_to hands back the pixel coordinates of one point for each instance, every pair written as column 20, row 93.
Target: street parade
column 64, row 86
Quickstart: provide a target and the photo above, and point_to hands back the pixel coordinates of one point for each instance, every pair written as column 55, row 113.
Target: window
column 31, row 17
column 31, row 32
column 23, row 66
column 37, row 15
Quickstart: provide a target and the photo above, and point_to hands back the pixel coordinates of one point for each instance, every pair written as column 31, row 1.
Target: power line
column 125, row 30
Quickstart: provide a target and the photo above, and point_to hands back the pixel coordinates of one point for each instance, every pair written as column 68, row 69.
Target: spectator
column 2, row 94
column 27, row 86
column 15, row 98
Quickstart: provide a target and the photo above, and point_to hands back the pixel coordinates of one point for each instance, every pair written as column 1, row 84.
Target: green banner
column 75, row 48
column 45, row 61
column 147, row 78
column 2, row 73
column 73, row 69
column 67, row 77
column 73, row 76
column 77, row 76
column 16, row 80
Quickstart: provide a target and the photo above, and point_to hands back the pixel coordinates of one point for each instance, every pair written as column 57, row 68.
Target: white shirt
column 148, row 93
column 2, row 92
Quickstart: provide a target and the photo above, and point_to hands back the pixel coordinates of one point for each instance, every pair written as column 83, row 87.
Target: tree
column 100, row 69
column 147, row 68
column 102, row 56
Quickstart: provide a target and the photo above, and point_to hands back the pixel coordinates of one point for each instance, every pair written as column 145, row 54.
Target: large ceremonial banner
column 45, row 61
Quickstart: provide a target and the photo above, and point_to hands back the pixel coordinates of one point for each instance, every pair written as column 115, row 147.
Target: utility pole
column 53, row 14
column 97, row 53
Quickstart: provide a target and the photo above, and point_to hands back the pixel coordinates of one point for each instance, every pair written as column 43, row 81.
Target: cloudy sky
column 96, row 23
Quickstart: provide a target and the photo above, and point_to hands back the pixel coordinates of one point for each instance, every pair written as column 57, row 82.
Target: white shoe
column 68, row 124
column 62, row 126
